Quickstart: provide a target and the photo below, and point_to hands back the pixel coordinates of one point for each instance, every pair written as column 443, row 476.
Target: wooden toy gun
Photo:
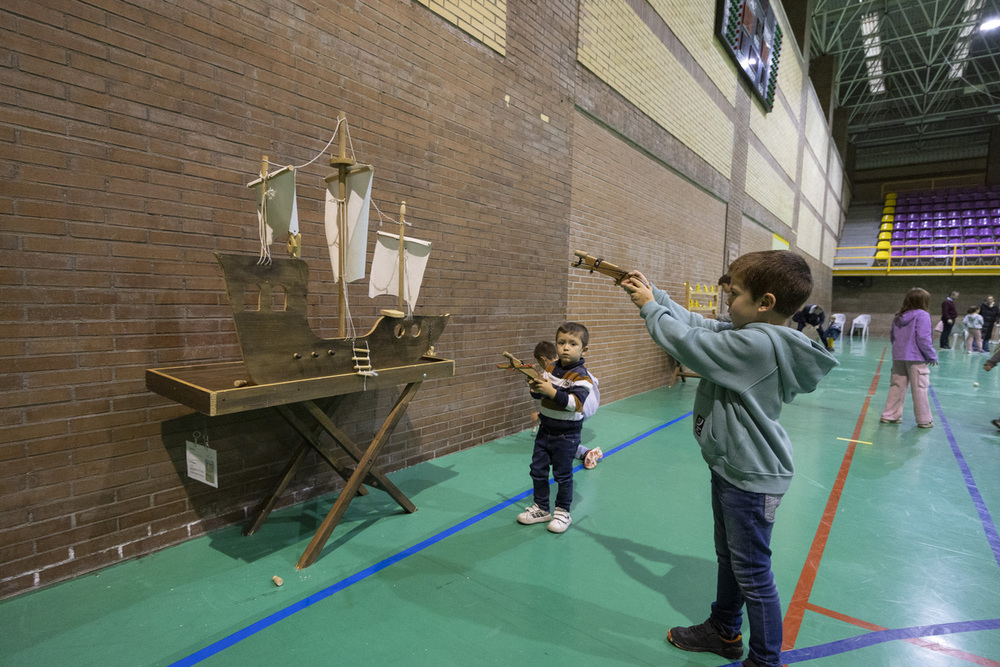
column 597, row 264
column 517, row 365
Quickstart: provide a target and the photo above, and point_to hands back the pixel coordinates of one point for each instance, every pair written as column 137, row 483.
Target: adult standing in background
column 990, row 312
column 949, row 313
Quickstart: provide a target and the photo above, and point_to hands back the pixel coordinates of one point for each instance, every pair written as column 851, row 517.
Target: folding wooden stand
column 704, row 300
column 219, row 389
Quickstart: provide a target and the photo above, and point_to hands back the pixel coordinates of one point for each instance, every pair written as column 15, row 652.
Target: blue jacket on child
column 746, row 376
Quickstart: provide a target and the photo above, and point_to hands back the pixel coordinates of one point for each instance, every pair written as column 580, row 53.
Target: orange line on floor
column 803, row 589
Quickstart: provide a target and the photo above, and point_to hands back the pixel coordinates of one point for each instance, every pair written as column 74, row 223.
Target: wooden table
column 223, row 388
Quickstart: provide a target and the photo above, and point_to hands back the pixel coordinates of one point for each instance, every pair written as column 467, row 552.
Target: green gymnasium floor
column 886, row 553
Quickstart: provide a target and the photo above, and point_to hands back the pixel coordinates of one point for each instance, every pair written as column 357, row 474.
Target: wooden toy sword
column 597, row 264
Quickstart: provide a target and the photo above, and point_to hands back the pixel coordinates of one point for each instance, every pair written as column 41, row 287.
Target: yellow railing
column 930, row 184
column 945, row 258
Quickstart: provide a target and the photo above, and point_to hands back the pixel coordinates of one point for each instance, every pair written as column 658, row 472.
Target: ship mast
column 343, row 163
column 402, row 255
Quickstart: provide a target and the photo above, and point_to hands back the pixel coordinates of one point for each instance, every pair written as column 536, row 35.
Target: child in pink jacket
column 912, row 352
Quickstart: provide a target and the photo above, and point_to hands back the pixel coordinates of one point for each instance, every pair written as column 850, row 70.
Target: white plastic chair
column 861, row 322
column 959, row 332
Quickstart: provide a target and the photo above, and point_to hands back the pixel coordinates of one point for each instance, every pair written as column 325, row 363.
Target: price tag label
column 202, row 464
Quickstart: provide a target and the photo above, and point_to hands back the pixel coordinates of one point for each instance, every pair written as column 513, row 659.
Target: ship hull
column 279, row 346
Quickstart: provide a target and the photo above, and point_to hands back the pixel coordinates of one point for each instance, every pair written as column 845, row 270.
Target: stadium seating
column 960, row 225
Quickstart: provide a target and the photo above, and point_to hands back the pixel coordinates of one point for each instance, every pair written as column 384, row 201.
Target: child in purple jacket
column 912, row 352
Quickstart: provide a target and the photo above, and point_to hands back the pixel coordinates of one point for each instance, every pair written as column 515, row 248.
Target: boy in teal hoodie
column 749, row 368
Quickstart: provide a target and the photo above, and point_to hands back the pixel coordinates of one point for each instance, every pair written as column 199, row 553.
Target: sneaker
column 560, row 521
column 592, row 457
column 926, row 425
column 705, row 638
column 891, row 421
column 533, row 514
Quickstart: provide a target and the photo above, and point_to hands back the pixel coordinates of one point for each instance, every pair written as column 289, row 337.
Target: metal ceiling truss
column 912, row 70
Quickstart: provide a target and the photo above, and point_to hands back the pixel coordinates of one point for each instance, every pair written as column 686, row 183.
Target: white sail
column 359, row 193
column 276, row 204
column 385, row 267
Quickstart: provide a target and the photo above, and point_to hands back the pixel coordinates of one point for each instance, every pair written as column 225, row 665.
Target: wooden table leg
column 335, row 514
column 312, row 440
column 264, row 509
column 375, row 478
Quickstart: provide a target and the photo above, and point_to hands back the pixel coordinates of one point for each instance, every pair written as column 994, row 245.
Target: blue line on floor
column 268, row 621
column 882, row 636
column 989, row 526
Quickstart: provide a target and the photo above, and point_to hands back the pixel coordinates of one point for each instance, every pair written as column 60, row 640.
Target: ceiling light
column 990, row 24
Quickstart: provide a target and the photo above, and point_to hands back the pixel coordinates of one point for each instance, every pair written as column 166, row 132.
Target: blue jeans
column 743, row 523
column 555, row 450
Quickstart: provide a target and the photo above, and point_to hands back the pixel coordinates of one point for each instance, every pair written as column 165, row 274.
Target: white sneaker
column 560, row 521
column 591, row 458
column 533, row 514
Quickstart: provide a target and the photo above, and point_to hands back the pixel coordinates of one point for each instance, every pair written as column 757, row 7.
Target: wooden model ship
column 275, row 338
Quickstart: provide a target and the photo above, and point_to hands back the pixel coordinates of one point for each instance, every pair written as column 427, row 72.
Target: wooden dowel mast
column 402, row 255
column 343, row 163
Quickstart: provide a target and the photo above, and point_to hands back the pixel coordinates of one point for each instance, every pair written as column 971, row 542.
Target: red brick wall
column 634, row 212
column 128, row 131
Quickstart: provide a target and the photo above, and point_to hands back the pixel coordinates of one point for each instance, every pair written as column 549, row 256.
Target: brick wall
column 128, row 132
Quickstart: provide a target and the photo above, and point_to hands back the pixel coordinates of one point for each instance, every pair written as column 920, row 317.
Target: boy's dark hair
column 726, row 279
column 546, row 350
column 575, row 329
column 780, row 272
column 972, row 309
column 915, row 299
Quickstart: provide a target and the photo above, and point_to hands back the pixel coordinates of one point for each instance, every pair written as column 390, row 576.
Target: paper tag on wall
column 202, row 464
